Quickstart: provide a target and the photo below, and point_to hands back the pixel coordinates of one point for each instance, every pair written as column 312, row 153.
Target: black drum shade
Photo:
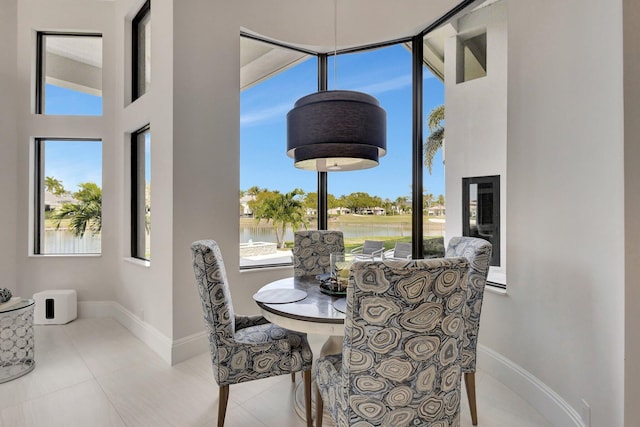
column 337, row 130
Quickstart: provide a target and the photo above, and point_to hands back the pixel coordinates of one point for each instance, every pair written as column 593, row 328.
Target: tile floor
column 93, row 372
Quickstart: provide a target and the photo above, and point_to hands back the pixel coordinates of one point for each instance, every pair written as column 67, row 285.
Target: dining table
column 298, row 303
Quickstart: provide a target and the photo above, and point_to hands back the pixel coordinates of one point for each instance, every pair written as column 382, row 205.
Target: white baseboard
column 170, row 351
column 542, row 398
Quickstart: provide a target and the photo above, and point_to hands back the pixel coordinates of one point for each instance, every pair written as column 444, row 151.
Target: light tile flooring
column 93, row 372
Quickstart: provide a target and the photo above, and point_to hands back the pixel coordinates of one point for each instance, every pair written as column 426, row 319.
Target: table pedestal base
column 333, row 345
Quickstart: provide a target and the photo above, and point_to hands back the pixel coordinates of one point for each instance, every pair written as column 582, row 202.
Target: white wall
column 92, row 276
column 8, row 144
column 631, row 27
column 476, row 121
column 563, row 317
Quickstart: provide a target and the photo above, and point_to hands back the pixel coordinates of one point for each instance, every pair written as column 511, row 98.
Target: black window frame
column 144, row 12
column 494, row 180
column 136, row 160
column 40, row 63
column 39, row 190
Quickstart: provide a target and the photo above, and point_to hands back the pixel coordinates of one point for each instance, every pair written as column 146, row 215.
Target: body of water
column 264, row 233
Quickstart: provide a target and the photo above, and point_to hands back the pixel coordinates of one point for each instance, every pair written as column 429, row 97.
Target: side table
column 16, row 340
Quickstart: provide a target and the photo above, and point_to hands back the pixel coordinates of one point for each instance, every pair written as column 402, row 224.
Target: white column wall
column 631, row 26
column 91, row 276
column 8, row 143
column 563, row 317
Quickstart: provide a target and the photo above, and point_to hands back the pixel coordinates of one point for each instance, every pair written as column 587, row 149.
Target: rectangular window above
column 68, row 196
column 141, row 51
column 69, row 74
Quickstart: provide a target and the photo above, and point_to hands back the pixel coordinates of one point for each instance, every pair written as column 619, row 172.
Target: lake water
column 264, row 233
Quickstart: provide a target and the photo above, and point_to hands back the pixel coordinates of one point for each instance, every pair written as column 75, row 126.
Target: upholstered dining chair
column 311, row 249
column 401, row 351
column 244, row 348
column 478, row 253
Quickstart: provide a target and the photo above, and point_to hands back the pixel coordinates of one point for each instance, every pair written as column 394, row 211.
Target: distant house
column 245, row 210
column 379, row 211
column 311, row 212
column 54, row 201
column 339, row 211
column 437, row 210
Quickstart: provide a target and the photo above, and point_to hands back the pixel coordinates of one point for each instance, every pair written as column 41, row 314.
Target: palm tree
column 87, row 213
column 54, row 186
column 435, row 140
column 282, row 210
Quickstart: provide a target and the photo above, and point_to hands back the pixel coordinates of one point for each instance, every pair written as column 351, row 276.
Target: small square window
column 472, row 58
column 69, row 74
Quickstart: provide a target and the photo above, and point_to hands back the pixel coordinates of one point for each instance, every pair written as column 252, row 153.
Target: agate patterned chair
column 478, row 253
column 243, row 348
column 311, row 249
column 400, row 361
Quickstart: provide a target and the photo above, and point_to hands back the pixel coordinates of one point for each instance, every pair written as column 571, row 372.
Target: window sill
column 65, row 255
column 495, row 289
column 258, row 269
column 137, row 261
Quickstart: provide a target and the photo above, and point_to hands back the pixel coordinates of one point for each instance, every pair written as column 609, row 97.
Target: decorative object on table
column 478, row 253
column 340, row 267
column 340, row 305
column 279, row 296
column 402, row 342
column 311, row 249
column 5, row 295
column 55, row 307
column 244, row 348
column 336, row 130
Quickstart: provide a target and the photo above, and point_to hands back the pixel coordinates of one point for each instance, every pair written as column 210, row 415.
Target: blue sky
column 73, row 162
column 384, row 73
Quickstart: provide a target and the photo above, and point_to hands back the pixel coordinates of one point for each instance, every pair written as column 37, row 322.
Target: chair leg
column 293, row 377
column 319, row 407
column 307, row 397
column 470, row 385
column 222, row 404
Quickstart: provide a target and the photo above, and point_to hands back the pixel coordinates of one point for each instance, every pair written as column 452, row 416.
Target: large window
column 372, row 204
column 267, row 176
column 69, row 66
column 141, row 51
column 141, row 194
column 68, row 202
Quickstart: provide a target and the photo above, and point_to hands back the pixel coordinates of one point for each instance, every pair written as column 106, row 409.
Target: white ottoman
column 55, row 307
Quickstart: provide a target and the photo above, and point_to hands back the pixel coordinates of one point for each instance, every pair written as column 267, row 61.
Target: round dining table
column 302, row 307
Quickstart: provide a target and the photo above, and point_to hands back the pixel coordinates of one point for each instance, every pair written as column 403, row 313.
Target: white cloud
column 256, row 117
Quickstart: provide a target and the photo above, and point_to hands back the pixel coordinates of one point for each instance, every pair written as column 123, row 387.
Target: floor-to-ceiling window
column 268, row 179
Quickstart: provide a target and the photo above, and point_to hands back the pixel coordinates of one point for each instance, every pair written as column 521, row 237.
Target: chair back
column 403, row 250
column 478, row 253
column 371, row 247
column 311, row 249
column 213, row 287
column 402, row 343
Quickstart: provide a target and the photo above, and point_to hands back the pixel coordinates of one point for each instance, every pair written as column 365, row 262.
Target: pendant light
column 336, row 130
